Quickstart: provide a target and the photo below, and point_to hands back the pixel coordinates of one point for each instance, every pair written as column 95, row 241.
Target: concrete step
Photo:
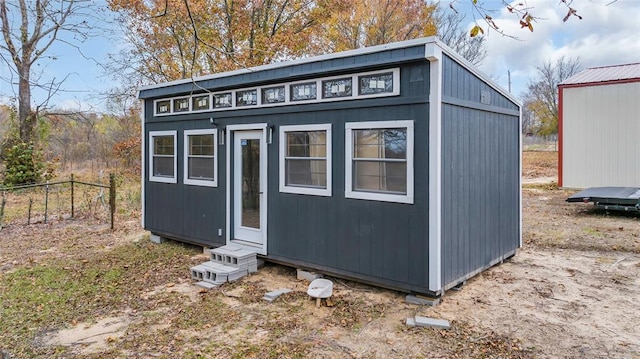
column 216, row 273
column 235, row 256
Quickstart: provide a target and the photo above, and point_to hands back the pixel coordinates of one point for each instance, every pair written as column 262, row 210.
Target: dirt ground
column 571, row 291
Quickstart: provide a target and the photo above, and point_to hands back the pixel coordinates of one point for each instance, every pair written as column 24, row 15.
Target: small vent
column 485, row 97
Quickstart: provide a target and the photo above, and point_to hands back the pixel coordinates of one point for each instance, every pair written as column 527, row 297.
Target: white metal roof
column 605, row 74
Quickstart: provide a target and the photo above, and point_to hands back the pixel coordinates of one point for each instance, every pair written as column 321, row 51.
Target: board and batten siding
column 189, row 212
column 600, row 130
column 374, row 241
column 480, row 175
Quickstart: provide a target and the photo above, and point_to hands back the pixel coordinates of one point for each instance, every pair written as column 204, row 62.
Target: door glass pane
column 250, row 183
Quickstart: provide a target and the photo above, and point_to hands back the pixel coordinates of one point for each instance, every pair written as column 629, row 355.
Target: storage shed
column 397, row 165
column 598, row 128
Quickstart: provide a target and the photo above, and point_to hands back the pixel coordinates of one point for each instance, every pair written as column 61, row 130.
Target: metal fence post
column 4, row 202
column 29, row 214
column 46, row 201
column 72, row 207
column 112, row 196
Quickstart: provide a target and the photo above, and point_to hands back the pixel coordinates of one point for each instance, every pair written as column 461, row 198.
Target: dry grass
column 72, row 273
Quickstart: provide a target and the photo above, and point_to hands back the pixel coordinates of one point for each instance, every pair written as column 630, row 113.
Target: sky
column 606, row 35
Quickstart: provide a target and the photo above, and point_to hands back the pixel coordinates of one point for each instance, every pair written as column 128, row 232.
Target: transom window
column 305, row 159
column 381, row 83
column 201, row 165
column 379, row 161
column 162, row 161
column 336, row 88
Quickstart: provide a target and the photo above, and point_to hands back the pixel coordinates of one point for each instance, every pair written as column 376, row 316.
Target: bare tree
column 542, row 95
column 450, row 31
column 29, row 29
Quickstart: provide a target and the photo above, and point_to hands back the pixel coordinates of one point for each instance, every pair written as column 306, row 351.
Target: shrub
column 24, row 164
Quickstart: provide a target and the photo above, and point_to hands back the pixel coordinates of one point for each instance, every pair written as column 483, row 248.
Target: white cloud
column 606, row 35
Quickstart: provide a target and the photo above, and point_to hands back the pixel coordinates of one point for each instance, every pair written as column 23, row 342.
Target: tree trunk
column 26, row 117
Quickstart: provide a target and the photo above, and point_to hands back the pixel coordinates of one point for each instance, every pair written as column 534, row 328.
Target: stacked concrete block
column 228, row 263
column 235, row 256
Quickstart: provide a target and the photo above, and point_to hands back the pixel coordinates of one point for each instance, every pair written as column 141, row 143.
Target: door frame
column 264, row 181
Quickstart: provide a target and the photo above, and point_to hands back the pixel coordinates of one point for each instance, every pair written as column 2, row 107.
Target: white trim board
column 163, row 179
column 435, row 170
column 185, row 163
column 143, row 159
column 327, row 191
column 229, row 147
column 349, row 192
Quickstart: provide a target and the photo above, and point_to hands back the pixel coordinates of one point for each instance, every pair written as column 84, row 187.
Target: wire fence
column 43, row 202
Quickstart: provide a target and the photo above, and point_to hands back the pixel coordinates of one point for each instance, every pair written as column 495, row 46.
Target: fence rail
column 71, row 182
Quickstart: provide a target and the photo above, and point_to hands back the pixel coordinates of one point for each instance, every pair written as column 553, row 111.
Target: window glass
column 200, row 103
column 181, row 104
column 163, row 152
column 380, row 160
column 201, row 157
column 336, row 88
column 247, row 98
column 273, row 95
column 305, row 91
column 222, row 100
column 378, row 83
column 305, row 161
column 163, row 106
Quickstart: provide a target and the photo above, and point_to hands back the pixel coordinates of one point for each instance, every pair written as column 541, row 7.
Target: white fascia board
column 337, row 55
column 433, row 53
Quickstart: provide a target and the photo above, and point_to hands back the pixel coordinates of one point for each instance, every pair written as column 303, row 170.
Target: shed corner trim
column 433, row 53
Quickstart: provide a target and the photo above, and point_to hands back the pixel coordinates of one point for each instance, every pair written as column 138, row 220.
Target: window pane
column 201, row 145
column 181, row 104
column 163, row 145
column 308, row 173
column 307, row 144
column 162, row 106
column 382, row 143
column 395, row 143
column 201, row 168
column 378, row 83
column 336, row 88
column 200, row 103
column 273, row 95
column 163, row 166
column 380, row 176
column 222, row 100
column 306, row 91
column 246, row 98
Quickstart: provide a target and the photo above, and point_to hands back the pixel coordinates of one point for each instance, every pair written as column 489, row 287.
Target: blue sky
column 607, row 35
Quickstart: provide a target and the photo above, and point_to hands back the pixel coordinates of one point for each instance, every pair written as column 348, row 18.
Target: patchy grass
column 43, row 297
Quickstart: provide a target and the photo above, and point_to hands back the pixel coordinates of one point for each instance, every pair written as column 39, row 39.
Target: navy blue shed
column 397, row 165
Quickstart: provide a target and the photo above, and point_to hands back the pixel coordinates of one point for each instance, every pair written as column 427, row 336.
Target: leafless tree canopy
column 29, row 29
column 542, row 95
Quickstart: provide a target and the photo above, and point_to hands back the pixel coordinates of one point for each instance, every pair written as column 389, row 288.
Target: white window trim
column 201, row 182
column 355, row 94
column 373, row 196
column 153, row 178
column 283, row 151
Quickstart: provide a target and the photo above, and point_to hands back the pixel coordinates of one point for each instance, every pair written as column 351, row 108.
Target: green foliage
column 24, row 164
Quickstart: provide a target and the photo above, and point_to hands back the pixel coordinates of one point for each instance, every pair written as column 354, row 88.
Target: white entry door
column 249, row 187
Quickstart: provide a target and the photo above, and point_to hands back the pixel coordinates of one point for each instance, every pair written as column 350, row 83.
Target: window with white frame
column 379, row 161
column 305, row 159
column 200, row 157
column 162, row 156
